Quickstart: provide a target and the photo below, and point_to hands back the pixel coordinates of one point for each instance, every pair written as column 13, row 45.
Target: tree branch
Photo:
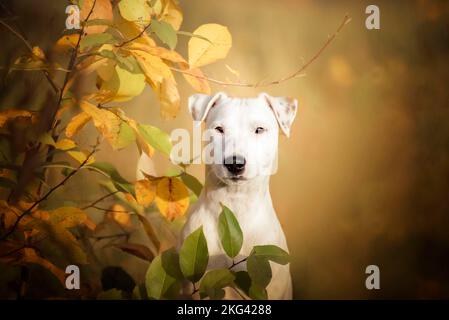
column 36, row 203
column 295, row 74
column 134, row 38
column 99, row 200
column 27, row 44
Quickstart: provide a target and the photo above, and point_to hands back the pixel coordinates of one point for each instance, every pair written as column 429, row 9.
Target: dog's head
column 243, row 133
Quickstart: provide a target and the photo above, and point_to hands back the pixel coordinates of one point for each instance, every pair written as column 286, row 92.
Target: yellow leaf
column 141, row 142
column 66, row 42
column 124, row 85
column 65, row 144
column 11, row 114
column 81, row 156
column 172, row 13
column 67, row 217
column 172, row 198
column 77, row 123
column 161, row 52
column 145, row 192
column 202, row 52
column 118, row 214
column 118, row 133
column 102, row 10
column 169, row 98
column 38, row 53
column 197, row 80
column 135, row 10
column 154, row 68
column 131, row 30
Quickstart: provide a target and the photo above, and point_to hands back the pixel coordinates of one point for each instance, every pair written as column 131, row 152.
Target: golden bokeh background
column 364, row 178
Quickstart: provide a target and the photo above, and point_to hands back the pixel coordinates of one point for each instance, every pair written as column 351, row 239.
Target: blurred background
column 364, row 178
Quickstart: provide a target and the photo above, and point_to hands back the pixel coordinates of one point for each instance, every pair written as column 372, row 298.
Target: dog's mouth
column 237, row 178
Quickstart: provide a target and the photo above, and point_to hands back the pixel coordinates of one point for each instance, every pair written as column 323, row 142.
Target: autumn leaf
column 65, row 144
column 81, row 156
column 153, row 67
column 202, row 52
column 102, row 10
column 197, row 80
column 77, row 123
column 29, row 255
column 67, row 217
column 135, row 10
column 124, row 85
column 169, row 99
column 119, row 215
column 11, row 114
column 118, row 133
column 137, row 250
column 172, row 198
column 172, row 13
column 66, row 43
column 145, row 192
column 38, row 53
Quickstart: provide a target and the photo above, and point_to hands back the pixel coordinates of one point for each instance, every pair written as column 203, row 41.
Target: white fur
column 249, row 196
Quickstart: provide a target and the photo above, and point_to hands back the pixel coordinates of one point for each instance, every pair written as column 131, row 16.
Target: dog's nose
column 235, row 164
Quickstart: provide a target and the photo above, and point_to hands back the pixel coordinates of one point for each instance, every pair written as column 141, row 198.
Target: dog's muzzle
column 235, row 164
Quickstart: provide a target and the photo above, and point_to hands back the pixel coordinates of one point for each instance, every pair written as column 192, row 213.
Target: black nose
column 235, row 164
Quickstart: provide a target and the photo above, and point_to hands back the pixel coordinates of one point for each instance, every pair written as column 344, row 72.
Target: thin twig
column 99, row 200
column 134, row 38
column 237, row 263
column 36, row 203
column 28, row 45
column 117, row 235
column 111, row 210
column 296, row 74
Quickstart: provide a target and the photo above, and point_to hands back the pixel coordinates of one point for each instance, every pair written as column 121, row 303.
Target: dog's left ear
column 284, row 110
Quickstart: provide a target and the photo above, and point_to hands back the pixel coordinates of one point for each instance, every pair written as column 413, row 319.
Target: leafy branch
column 49, row 192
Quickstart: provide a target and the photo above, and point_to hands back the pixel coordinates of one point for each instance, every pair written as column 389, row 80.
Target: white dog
column 248, row 129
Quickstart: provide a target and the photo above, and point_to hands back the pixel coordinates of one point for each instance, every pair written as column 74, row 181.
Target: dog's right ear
column 200, row 104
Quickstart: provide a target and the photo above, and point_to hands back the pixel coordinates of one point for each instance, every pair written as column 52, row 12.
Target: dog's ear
column 200, row 104
column 284, row 110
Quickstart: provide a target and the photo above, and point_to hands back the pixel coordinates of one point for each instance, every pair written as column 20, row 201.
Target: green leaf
column 160, row 285
column 194, row 255
column 214, row 281
column 259, row 270
column 231, row 235
column 46, row 138
column 96, row 39
column 192, row 183
column 257, row 293
column 165, row 32
column 272, row 253
column 119, row 182
column 157, row 138
column 125, row 137
column 170, row 263
column 243, row 281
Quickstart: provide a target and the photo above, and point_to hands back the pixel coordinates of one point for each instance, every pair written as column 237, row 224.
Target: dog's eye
column 219, row 129
column 259, row 130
